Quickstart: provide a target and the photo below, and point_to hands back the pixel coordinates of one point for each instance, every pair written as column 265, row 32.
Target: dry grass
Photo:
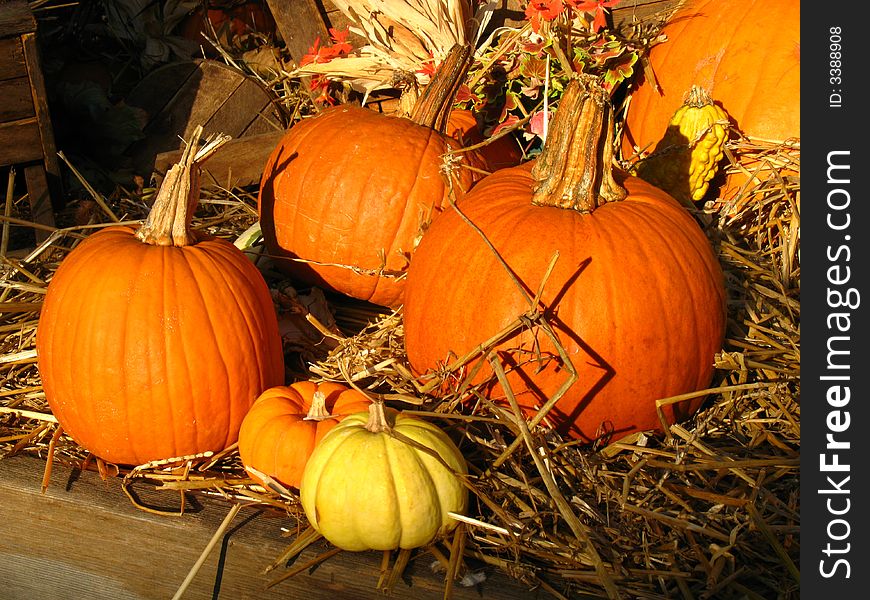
column 710, row 509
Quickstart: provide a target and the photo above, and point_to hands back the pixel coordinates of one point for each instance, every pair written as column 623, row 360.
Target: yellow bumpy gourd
column 688, row 155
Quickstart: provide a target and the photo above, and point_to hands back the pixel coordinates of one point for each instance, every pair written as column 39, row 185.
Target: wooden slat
column 204, row 92
column 43, row 115
column 239, row 162
column 201, row 95
column 635, row 11
column 300, row 23
column 40, row 199
column 240, row 109
column 153, row 98
column 16, row 100
column 84, row 539
column 21, row 142
column 627, row 12
column 269, row 120
column 12, row 58
column 16, row 18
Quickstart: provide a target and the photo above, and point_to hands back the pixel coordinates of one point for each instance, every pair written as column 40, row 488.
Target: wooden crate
column 26, row 136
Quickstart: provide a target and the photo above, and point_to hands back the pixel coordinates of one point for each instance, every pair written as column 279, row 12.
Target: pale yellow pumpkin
column 376, row 482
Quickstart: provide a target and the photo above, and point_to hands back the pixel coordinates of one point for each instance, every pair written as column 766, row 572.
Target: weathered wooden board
column 16, row 18
column 178, row 97
column 238, row 163
column 25, row 123
column 12, row 61
column 627, row 12
column 300, row 23
column 21, row 142
column 84, row 539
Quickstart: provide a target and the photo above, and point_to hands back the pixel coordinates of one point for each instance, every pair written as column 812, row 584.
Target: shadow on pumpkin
column 524, row 364
column 282, row 258
column 536, row 371
column 285, row 260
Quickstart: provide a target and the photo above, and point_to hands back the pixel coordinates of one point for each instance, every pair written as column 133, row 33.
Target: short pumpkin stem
column 318, row 410
column 377, row 422
column 432, row 109
column 575, row 168
column 168, row 223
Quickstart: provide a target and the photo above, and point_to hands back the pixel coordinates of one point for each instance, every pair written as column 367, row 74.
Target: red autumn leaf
column 543, row 10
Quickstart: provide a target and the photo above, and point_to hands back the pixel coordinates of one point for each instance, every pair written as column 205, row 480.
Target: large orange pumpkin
column 744, row 53
column 153, row 343
column 346, row 195
column 287, row 422
column 636, row 295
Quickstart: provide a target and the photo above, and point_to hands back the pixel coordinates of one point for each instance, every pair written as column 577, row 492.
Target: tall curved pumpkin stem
column 575, row 168
column 432, row 108
column 168, row 223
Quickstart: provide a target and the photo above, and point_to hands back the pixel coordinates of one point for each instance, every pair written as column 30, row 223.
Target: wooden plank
column 201, row 95
column 203, row 92
column 157, row 89
column 40, row 199
column 239, row 162
column 43, row 115
column 84, row 539
column 16, row 100
column 300, row 23
column 21, row 142
column 511, row 13
column 333, row 17
column 12, row 58
column 269, row 120
column 629, row 12
column 16, row 18
column 239, row 110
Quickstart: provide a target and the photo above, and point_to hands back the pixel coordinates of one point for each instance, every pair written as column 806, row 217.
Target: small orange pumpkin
column 285, row 424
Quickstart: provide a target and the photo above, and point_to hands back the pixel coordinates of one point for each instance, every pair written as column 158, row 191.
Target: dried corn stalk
column 403, row 38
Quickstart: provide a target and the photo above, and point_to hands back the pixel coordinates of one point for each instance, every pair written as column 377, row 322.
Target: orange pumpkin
column 346, row 195
column 636, row 295
column 287, row 422
column 744, row 53
column 153, row 343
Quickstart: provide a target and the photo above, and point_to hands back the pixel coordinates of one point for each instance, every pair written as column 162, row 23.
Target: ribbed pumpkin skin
column 348, row 186
column 636, row 297
column 371, row 491
column 152, row 352
column 744, row 53
column 275, row 438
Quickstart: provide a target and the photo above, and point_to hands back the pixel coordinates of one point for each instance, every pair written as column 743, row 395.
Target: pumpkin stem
column 377, row 422
column 168, row 223
column 575, row 168
column 318, row 410
column 432, row 108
